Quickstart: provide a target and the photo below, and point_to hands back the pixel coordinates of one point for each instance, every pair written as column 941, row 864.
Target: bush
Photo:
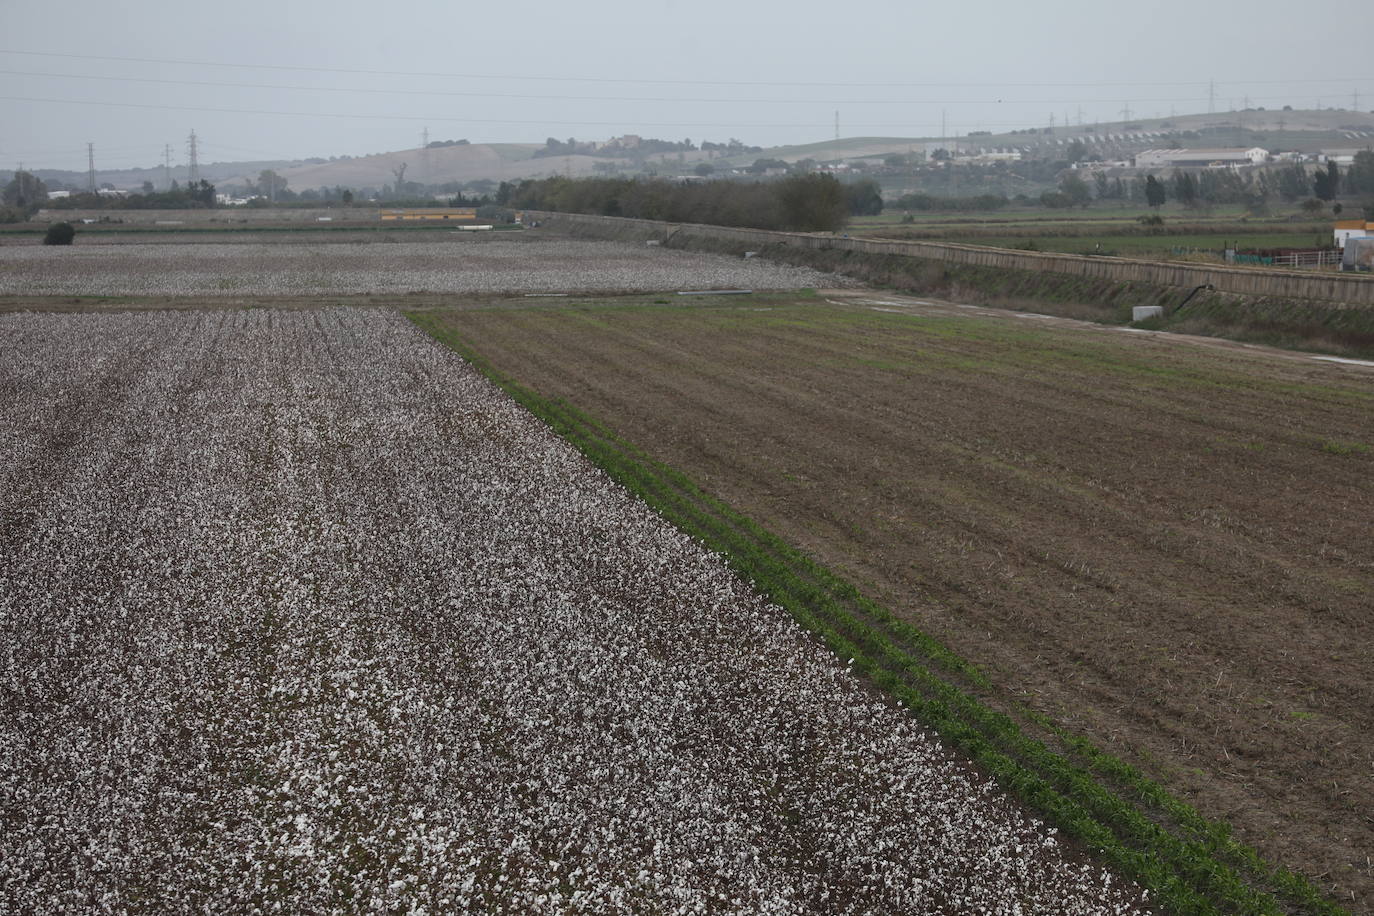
column 59, row 234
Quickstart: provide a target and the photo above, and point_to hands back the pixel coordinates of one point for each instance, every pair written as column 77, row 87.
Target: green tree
column 1056, row 200
column 811, row 203
column 1185, row 188
column 864, row 198
column 1076, row 190
column 1155, row 195
column 270, row 185
column 1076, row 151
column 201, row 193
column 1293, row 182
column 704, row 169
column 762, row 165
column 1359, row 178
column 24, row 192
column 1326, row 184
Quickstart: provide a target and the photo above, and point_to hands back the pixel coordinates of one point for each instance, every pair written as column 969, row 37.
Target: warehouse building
column 1199, row 158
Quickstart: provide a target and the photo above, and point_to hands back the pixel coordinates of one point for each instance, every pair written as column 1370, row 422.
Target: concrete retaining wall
column 1334, row 289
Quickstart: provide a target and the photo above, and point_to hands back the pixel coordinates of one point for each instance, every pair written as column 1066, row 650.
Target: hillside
column 1304, row 131
column 491, row 161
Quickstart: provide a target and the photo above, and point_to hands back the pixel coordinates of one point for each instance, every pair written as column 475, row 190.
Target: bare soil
column 1163, row 546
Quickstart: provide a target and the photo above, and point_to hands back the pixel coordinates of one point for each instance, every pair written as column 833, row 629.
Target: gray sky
column 767, row 73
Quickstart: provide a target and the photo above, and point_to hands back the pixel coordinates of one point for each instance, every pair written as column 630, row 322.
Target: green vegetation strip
column 1191, row 865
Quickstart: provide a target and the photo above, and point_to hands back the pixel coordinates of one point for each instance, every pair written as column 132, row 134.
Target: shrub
column 59, row 234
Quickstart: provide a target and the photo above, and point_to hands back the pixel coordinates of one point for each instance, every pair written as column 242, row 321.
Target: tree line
column 798, row 203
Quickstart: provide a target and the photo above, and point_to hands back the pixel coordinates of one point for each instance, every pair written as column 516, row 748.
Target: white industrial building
column 1199, row 158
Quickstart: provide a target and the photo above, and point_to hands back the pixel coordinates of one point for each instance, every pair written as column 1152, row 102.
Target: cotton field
column 300, row 614
column 463, row 262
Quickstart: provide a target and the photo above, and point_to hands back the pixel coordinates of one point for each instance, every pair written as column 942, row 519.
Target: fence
column 1334, row 290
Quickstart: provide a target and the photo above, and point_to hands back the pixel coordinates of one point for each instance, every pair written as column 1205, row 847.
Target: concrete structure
column 1352, row 229
column 1199, row 158
column 1358, row 255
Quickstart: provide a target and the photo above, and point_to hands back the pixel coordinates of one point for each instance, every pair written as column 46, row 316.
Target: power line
column 370, row 90
column 383, row 117
column 641, row 81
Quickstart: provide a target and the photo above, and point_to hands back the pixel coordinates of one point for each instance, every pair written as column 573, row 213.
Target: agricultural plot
column 1162, row 547
column 465, row 263
column 299, row 613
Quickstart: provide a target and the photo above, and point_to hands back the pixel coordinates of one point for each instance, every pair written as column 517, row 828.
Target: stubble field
column 1164, row 547
column 301, row 614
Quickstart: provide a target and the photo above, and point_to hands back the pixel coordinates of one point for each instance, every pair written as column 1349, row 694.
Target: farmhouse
column 1199, row 158
column 1353, row 229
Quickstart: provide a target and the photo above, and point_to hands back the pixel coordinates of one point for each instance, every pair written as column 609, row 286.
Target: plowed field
column 1162, row 545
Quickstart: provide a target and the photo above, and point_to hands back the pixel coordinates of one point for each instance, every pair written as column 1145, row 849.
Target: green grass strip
column 1189, row 864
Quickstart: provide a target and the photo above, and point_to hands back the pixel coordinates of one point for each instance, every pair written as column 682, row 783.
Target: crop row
column 302, row 614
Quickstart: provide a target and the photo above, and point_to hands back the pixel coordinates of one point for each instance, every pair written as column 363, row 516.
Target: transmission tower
column 167, row 166
column 90, row 167
column 194, row 174
column 1212, row 97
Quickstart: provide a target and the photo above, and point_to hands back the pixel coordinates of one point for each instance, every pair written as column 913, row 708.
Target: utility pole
column 424, row 156
column 194, row 174
column 167, row 166
column 838, row 155
column 90, row 167
column 1355, row 100
column 1212, row 97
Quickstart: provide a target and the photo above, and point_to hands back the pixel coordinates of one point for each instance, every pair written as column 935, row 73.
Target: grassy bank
column 1190, row 864
column 1293, row 324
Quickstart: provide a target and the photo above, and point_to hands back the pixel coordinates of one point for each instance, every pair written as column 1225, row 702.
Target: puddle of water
column 1342, row 360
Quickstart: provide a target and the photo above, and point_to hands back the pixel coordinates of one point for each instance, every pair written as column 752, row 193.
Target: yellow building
column 1352, row 229
column 454, row 214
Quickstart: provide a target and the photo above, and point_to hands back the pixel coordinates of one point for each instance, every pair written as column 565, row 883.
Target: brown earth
column 1163, row 544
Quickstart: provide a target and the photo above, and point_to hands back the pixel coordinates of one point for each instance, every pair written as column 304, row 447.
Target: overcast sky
column 298, row 78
